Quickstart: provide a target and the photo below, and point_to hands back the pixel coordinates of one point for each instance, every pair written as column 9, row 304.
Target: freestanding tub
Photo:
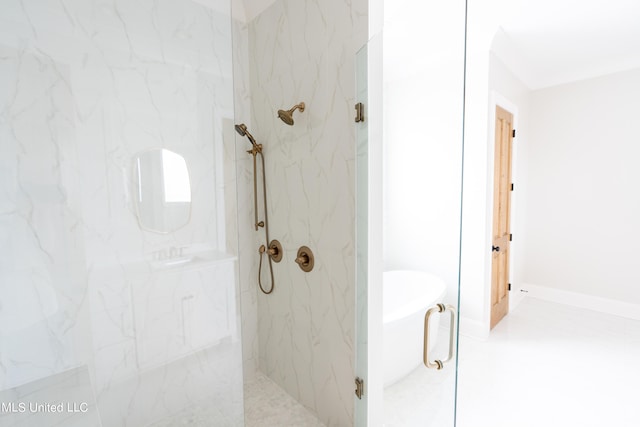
column 407, row 295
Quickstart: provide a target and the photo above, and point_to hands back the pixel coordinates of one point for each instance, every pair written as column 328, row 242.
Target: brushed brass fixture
column 287, row 116
column 256, row 149
column 275, row 249
column 262, row 250
column 242, row 130
column 359, row 112
column 305, row 259
column 439, row 308
column 359, row 387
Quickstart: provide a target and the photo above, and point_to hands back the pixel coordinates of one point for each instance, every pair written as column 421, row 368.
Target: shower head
column 242, row 130
column 287, row 116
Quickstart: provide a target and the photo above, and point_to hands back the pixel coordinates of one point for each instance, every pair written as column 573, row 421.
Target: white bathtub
column 407, row 295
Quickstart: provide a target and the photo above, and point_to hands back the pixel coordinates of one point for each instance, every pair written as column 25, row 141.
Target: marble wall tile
column 305, row 51
column 43, row 288
column 68, row 393
column 85, row 87
column 249, row 239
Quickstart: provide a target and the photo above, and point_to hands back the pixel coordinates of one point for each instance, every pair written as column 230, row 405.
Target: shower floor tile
column 268, row 405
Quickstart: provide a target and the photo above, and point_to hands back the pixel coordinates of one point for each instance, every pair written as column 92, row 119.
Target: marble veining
column 249, row 240
column 305, row 51
column 86, row 86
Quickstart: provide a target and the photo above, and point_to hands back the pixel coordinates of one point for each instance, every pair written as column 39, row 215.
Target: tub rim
column 412, row 307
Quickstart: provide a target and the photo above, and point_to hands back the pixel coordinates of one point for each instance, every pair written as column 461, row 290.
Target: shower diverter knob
column 275, row 251
column 305, row 259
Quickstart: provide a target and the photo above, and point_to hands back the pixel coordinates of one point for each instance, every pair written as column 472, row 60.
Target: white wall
column 481, row 29
column 482, row 67
column 507, row 91
column 423, row 100
column 583, row 203
column 422, row 144
column 483, row 25
column 423, row 152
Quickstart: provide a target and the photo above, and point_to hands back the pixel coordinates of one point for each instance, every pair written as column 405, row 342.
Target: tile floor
column 552, row 365
column 545, row 364
column 267, row 405
column 425, row 397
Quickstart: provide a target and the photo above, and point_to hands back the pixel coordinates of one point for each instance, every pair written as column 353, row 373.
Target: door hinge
column 514, row 133
column 511, row 237
column 509, row 286
column 359, row 387
column 512, row 186
column 359, row 112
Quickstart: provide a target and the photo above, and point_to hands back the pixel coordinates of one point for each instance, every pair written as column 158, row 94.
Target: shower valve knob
column 305, row 259
column 275, row 251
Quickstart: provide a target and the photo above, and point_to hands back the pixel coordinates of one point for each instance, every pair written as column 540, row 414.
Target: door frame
column 515, row 296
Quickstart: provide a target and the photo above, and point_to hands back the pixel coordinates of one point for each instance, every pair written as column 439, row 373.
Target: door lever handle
column 495, row 248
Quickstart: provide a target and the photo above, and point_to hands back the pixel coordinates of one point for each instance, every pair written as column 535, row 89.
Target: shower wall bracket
column 359, row 112
column 359, row 387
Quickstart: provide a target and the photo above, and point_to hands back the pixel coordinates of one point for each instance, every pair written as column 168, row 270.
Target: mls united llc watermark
column 47, row 407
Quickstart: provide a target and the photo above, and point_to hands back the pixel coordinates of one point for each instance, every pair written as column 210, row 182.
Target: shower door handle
column 440, row 308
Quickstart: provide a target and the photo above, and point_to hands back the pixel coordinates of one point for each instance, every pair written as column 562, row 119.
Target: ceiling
column 544, row 42
column 551, row 42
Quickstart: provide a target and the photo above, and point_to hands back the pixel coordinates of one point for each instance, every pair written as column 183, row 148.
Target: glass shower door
column 117, row 215
column 409, row 180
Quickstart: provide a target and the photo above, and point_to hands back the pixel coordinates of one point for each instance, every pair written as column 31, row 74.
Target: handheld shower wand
column 274, row 252
column 242, row 130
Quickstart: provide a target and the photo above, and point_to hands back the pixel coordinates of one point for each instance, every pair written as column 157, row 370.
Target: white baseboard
column 473, row 328
column 590, row 302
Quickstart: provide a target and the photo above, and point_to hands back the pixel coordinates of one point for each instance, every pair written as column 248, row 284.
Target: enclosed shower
column 132, row 241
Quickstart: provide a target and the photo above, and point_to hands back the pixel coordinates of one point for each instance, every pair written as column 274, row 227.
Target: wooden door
column 502, row 188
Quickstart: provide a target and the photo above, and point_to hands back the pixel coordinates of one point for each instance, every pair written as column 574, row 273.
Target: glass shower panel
column 110, row 316
column 423, row 92
column 368, row 67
